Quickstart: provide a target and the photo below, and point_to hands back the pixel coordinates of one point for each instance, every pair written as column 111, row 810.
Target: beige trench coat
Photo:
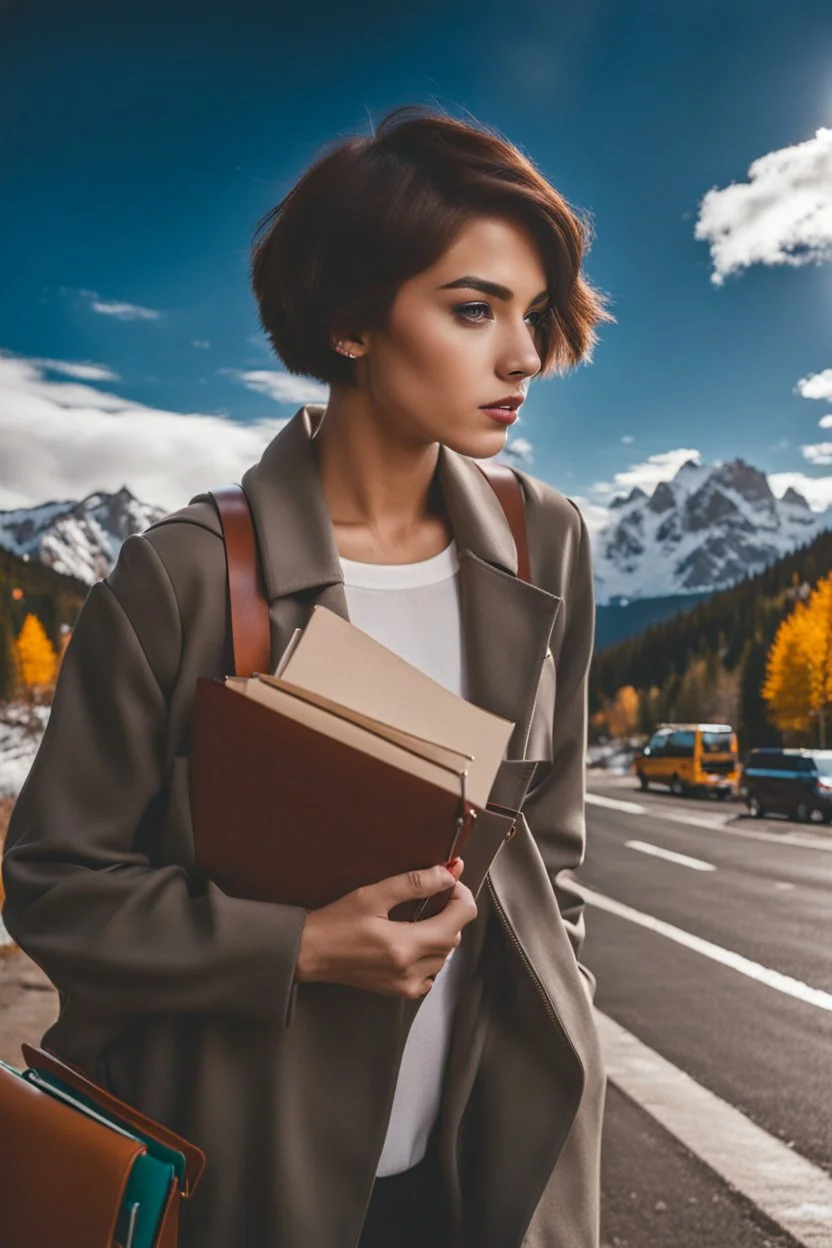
column 181, row 999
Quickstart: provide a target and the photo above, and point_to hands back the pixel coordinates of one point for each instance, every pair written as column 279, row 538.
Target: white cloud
column 648, row 473
column 63, row 440
column 819, row 453
column 119, row 310
column 825, row 422
column 816, row 385
column 627, row 438
column 198, row 342
column 83, row 372
column 781, row 215
column 280, row 386
column 816, row 490
column 517, row 451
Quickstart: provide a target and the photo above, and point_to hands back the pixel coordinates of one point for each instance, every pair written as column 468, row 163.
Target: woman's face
column 450, row 347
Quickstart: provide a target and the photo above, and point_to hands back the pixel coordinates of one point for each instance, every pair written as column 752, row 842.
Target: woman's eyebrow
column 488, row 288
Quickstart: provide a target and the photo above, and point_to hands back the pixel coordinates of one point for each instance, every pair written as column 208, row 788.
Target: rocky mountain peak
column 80, row 538
column 662, row 498
column 793, row 498
column 747, row 481
column 703, row 530
column 622, row 500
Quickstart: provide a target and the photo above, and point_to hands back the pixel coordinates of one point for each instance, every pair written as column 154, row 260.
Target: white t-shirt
column 413, row 608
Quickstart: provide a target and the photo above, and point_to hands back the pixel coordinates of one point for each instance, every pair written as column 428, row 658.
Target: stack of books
column 345, row 767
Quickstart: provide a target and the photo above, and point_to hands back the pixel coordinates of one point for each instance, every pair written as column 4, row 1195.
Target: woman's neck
column 383, row 494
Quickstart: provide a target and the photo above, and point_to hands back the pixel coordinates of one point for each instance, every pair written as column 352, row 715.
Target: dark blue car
column 795, row 782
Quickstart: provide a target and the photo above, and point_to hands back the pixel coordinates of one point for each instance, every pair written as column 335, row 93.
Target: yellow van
column 691, row 758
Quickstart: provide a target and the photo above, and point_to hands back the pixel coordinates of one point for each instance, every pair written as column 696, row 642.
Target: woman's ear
column 347, row 345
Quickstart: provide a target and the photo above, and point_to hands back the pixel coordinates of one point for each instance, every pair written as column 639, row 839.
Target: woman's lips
column 503, row 415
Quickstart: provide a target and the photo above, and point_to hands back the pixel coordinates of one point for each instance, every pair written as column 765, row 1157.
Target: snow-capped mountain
column 80, row 539
column 707, row 528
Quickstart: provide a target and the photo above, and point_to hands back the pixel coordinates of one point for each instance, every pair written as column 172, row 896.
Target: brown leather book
column 298, row 798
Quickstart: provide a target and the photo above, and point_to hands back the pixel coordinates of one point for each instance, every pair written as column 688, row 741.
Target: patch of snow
column 615, row 757
column 21, row 730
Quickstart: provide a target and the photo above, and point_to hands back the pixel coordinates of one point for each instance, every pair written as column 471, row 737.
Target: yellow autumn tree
column 622, row 713
column 35, row 657
column 798, row 680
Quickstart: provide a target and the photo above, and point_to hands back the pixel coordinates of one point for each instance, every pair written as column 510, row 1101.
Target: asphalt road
column 756, row 1032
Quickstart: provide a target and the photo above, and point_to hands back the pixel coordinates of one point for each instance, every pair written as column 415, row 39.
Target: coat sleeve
column 84, row 899
column 555, row 808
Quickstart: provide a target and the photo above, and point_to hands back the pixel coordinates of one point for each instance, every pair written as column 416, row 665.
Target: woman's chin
column 483, row 444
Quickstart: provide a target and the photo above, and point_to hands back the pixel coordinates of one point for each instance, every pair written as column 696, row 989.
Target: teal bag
column 152, row 1173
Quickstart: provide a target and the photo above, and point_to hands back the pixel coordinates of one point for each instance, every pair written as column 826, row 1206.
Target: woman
column 352, row 1080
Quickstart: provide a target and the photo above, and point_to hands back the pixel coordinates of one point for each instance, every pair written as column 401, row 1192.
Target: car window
column 771, row 762
column 657, row 742
column 805, row 763
column 823, row 762
column 716, row 742
column 680, row 744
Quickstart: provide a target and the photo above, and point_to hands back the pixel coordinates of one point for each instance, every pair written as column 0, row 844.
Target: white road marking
column 792, row 1191
column 696, row 864
column 754, row 970
column 720, row 825
column 616, row 803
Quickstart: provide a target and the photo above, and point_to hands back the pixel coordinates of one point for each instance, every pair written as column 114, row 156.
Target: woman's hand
column 352, row 940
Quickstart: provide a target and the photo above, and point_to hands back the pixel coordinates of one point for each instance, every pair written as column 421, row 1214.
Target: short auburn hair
column 372, row 212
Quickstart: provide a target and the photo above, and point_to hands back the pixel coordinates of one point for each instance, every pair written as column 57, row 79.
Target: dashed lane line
column 682, row 860
column 694, row 821
column 790, row 1190
column 616, row 803
column 754, row 970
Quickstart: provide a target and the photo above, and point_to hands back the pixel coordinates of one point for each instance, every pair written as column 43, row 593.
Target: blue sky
column 143, row 142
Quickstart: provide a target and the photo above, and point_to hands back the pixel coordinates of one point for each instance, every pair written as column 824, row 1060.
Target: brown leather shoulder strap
column 506, row 485
column 250, row 630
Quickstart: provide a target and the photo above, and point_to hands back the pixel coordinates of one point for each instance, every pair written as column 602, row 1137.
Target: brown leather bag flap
column 45, row 1060
column 63, row 1175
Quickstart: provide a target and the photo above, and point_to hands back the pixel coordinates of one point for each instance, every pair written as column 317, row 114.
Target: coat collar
column 506, row 623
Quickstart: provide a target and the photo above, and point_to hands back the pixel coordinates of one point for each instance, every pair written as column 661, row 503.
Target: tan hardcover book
column 334, row 658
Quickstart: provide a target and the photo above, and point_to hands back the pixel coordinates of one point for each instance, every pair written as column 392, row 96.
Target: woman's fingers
column 412, row 884
column 440, row 931
column 425, row 971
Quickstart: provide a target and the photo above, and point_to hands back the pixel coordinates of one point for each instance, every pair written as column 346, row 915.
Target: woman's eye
column 469, row 311
column 476, row 313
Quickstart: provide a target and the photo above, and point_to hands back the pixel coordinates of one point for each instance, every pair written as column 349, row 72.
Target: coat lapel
column 506, row 623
